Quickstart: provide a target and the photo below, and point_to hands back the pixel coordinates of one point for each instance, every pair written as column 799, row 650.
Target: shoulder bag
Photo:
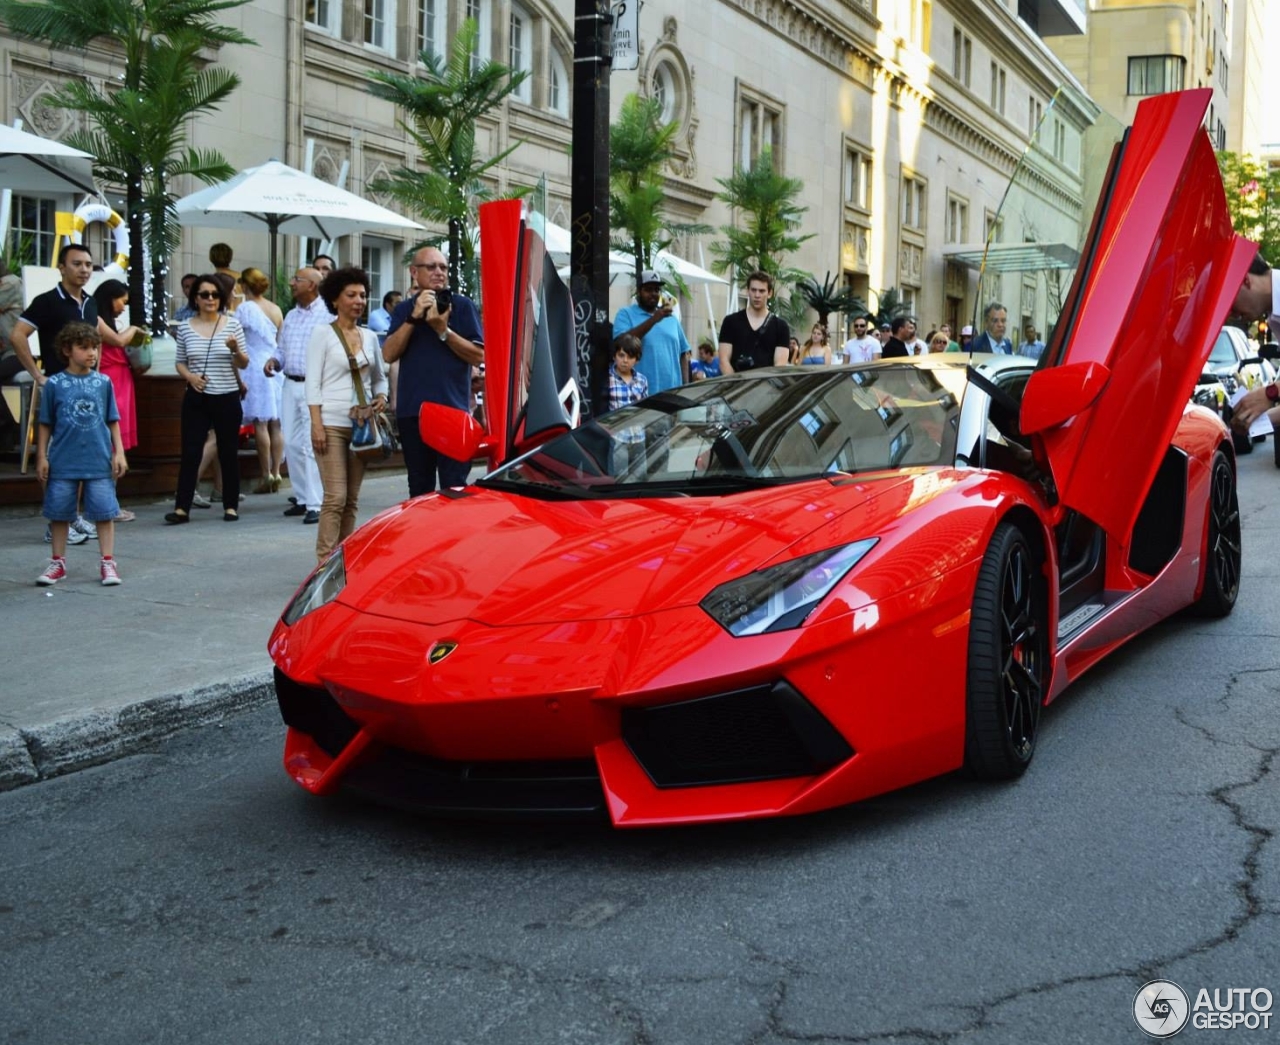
column 370, row 435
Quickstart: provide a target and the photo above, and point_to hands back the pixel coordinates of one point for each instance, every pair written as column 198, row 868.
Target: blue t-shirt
column 429, row 370
column 711, row 369
column 79, row 407
column 663, row 346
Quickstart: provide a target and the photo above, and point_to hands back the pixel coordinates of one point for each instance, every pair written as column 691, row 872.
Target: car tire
column 1008, row 658
column 1222, row 556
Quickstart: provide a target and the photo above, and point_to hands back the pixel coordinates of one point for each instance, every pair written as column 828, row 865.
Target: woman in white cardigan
column 332, row 399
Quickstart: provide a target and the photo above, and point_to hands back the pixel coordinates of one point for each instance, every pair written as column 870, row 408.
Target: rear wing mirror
column 452, row 432
column 1270, row 351
column 1056, row 394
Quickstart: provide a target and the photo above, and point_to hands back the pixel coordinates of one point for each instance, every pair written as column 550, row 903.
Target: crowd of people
column 304, row 380
column 308, row 378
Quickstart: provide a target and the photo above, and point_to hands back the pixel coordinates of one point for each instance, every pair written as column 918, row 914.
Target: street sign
column 626, row 34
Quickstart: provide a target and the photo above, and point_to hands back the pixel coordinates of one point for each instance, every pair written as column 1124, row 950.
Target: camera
column 444, row 299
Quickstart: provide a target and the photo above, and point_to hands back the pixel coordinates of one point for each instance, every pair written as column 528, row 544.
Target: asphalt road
column 194, row 894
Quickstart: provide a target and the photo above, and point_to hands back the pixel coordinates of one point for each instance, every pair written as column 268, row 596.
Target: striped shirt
column 210, row 356
column 295, row 336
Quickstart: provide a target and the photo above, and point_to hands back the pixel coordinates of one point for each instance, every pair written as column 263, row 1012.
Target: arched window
column 559, row 85
column 520, row 50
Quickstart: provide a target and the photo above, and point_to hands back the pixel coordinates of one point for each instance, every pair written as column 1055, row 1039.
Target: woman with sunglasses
column 339, row 354
column 211, row 348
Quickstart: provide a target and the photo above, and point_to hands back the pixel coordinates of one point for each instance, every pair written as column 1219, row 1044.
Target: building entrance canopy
column 1013, row 257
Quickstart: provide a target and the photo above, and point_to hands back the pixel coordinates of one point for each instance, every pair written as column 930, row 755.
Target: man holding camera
column 665, row 362
column 1257, row 298
column 436, row 337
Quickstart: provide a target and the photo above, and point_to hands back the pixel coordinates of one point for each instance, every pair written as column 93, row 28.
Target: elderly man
column 665, row 359
column 1259, row 298
column 291, row 357
column 996, row 318
column 436, row 338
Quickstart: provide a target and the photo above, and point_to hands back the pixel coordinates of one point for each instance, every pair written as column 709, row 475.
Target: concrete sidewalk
column 92, row 672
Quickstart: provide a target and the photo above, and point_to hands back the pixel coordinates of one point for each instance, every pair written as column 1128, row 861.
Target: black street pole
column 589, row 251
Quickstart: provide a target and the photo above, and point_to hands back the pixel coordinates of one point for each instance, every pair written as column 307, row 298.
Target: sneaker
column 84, row 526
column 199, row 500
column 110, row 575
column 54, row 572
column 74, row 536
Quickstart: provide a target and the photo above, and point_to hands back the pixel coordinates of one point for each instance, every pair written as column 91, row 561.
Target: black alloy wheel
column 1222, row 549
column 1008, row 658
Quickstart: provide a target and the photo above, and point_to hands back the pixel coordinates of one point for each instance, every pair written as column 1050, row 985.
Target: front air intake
column 763, row 733
column 312, row 710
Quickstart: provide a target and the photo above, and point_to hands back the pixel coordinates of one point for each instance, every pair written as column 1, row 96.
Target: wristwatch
column 444, row 334
column 1272, row 392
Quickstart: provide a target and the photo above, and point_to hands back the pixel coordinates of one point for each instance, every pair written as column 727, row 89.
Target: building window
column 1222, row 71
column 993, row 226
column 998, row 83
column 379, row 18
column 377, row 258
column 666, row 93
column 557, row 84
column 857, row 178
column 1156, row 74
column 759, row 128
column 479, row 12
column 320, row 13
column 914, row 192
column 32, row 232
column 520, row 50
column 1034, row 117
column 1221, row 136
column 962, row 57
column 1059, row 141
column 957, row 220
column 431, row 27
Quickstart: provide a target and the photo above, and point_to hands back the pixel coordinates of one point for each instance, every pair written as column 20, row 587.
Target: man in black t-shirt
column 51, row 311
column 903, row 330
column 755, row 336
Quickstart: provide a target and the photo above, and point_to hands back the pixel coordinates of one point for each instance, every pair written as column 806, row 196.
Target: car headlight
column 782, row 596
column 322, row 587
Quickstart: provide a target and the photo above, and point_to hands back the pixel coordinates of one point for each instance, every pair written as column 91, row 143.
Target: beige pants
column 341, row 473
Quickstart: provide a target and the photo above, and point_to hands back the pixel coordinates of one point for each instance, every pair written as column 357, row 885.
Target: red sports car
column 792, row 588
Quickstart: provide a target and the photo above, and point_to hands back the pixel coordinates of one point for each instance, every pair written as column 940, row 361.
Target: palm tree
column 140, row 125
column 640, row 145
column 829, row 296
column 442, row 106
column 889, row 305
column 148, row 126
column 767, row 202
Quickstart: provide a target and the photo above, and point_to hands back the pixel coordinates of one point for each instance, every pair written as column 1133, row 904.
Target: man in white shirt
column 864, row 346
column 290, row 356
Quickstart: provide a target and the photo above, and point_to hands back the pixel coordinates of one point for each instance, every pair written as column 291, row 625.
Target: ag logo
column 1161, row 1008
column 441, row 650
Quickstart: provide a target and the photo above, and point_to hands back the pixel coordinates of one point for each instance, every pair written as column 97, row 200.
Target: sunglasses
column 205, row 295
column 438, row 267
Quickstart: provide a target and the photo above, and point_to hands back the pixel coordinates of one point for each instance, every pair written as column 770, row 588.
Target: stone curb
column 70, row 744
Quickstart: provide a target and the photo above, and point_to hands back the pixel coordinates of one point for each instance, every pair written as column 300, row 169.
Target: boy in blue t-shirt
column 79, row 443
column 707, row 364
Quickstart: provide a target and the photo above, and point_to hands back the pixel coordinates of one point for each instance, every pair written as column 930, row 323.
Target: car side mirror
column 1270, row 351
column 1058, row 393
column 451, row 431
column 1249, row 360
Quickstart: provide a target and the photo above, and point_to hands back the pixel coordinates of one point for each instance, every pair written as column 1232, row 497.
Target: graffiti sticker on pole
column 626, row 34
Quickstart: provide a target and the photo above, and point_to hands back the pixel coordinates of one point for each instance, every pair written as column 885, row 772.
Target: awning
column 1014, row 257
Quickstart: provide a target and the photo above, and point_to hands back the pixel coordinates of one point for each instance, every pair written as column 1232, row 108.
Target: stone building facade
column 903, row 119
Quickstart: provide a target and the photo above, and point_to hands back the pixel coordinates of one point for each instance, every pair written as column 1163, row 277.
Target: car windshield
column 1224, row 351
column 749, row 430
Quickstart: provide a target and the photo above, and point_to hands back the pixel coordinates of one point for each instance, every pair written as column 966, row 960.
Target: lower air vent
column 313, row 711
column 752, row 734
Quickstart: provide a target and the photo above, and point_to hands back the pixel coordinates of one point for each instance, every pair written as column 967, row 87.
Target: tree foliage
column 829, row 296
column 640, row 145
column 1253, row 200
column 764, row 203
column 441, row 106
column 138, row 132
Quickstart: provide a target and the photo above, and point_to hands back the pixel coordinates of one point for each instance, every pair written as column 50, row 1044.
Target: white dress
column 263, row 401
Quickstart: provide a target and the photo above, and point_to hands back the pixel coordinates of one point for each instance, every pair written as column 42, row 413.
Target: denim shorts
column 100, row 504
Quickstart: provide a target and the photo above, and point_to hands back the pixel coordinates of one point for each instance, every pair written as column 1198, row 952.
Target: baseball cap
column 649, row 276
column 885, row 326
column 967, row 329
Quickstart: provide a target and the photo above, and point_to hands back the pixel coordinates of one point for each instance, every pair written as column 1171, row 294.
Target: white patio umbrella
column 280, row 198
column 667, row 264
column 29, row 163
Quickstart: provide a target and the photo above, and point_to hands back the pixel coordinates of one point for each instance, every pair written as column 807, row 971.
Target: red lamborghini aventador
column 700, row 607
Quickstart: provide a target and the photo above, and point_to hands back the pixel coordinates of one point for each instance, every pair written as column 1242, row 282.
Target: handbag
column 370, row 437
column 138, row 352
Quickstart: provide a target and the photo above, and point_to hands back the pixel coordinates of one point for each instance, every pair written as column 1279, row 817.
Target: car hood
column 501, row 559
